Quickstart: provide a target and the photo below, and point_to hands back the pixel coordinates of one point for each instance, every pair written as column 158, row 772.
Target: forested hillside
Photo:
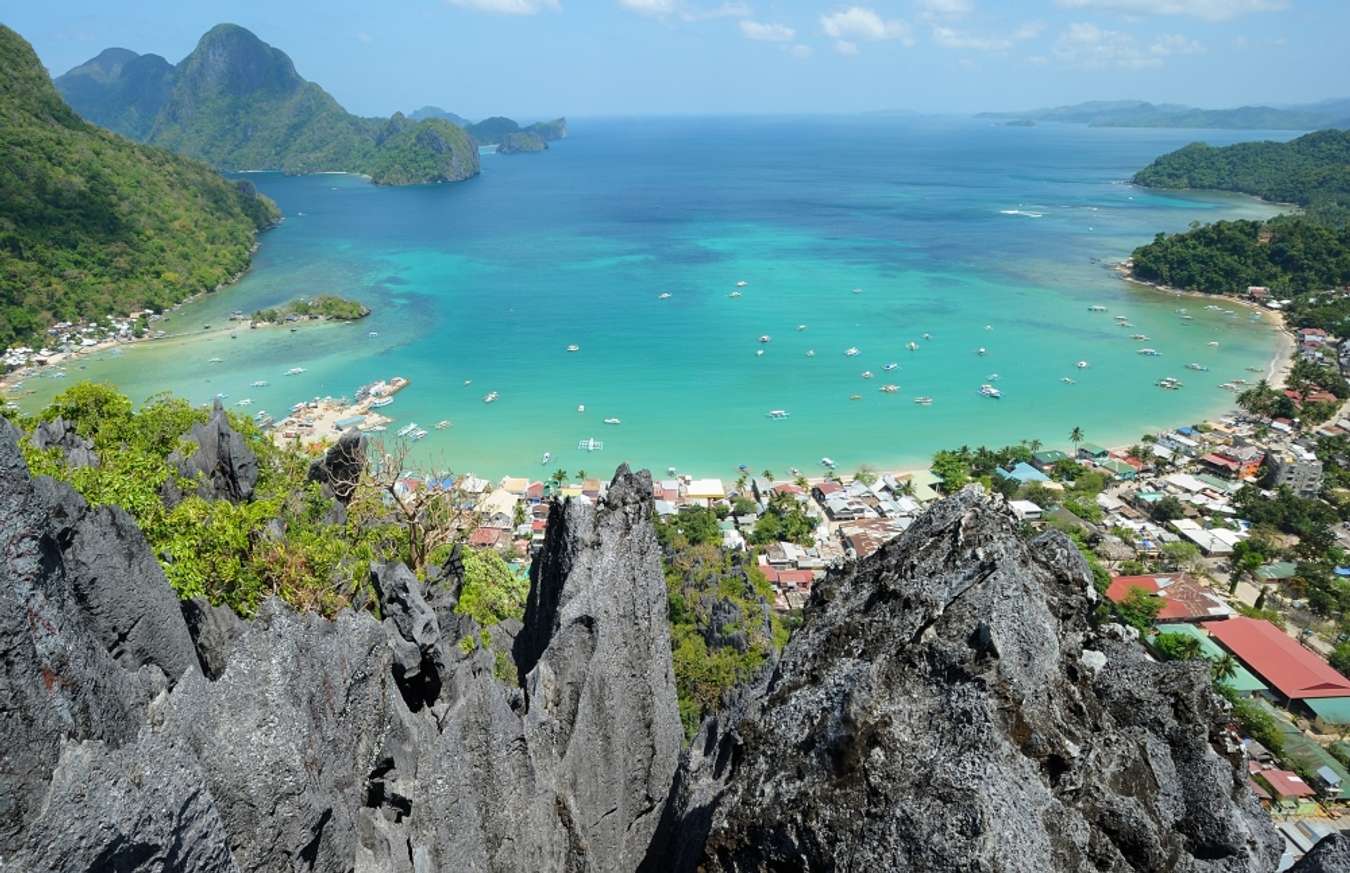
column 91, row 224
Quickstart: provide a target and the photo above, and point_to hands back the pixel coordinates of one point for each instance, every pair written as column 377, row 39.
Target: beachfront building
column 1091, row 452
column 1046, row 459
column 1022, row 473
column 705, row 491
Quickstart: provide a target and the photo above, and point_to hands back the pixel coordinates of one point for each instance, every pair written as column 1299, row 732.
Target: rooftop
column 1278, row 658
column 1184, row 599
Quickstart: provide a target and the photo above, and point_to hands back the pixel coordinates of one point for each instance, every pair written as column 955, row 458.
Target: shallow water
column 934, row 220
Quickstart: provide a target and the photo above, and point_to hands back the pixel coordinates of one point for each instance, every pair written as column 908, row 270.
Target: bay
column 977, row 234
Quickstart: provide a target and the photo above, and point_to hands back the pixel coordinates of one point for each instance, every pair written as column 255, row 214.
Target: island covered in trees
column 323, row 307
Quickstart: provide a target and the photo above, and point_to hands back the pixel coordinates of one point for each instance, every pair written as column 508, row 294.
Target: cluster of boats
column 411, row 431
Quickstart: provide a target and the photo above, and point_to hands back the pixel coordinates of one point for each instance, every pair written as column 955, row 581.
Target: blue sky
column 533, row 58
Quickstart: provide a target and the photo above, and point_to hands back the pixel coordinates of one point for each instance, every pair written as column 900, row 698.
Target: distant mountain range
column 1137, row 113
column 239, row 104
column 504, row 133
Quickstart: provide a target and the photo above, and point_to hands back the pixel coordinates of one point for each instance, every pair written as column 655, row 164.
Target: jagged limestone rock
column 58, row 433
column 339, row 470
column 933, row 713
column 222, row 464
column 1330, row 855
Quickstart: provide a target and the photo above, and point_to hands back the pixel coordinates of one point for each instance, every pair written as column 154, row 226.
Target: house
column 1286, row 788
column 1212, row 541
column 535, row 493
column 1119, row 469
column 591, row 488
column 1179, row 443
column 706, row 490
column 1293, row 672
column 1021, row 472
column 1183, row 598
column 1295, row 467
column 489, row 538
column 1025, row 510
column 1259, row 293
column 1236, row 462
column 1047, row 458
column 514, row 485
column 1091, row 452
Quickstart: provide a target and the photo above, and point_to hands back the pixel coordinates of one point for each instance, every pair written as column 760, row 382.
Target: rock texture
column 339, row 470
column 1330, row 855
column 58, row 433
column 141, row 736
column 948, row 706
column 222, row 464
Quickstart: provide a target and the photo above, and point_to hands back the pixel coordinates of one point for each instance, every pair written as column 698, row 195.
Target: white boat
column 1121, row 317
column 1096, row 307
column 1067, row 381
column 988, row 327
column 1197, row 366
column 734, row 294
column 924, row 401
column 613, row 421
column 857, row 290
column 912, row 346
column 261, row 383
column 927, row 336
column 1140, row 337
column 664, row 295
column 759, row 353
column 1170, row 383
column 407, row 428
column 990, row 391
column 1082, row 365
column 852, row 352
column 548, row 456
column 765, row 338
column 778, row 414
column 827, row 462
column 373, row 333
column 1188, row 318
column 591, row 444
column 1149, row 353
column 810, row 353
column 216, row 361
column 574, row 348
column 468, row 381
column 742, row 284
column 442, row 424
column 891, row 366
column 380, row 402
column 295, row 371
column 992, row 377
column 1214, row 344
column 867, row 374
column 490, row 397
column 418, row 435
column 222, row 395
column 246, row 402
column 801, row 327
column 581, row 407
column 889, row 389
column 981, row 351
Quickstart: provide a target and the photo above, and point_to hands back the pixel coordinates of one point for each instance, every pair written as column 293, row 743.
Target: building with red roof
column 1183, row 598
column 1285, row 785
column 1279, row 660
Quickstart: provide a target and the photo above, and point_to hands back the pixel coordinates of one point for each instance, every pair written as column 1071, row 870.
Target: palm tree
column 559, row 475
column 581, row 474
column 1076, row 437
column 1224, row 668
column 767, row 474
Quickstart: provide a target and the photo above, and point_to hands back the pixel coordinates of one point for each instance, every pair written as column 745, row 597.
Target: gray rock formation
column 222, row 464
column 78, row 451
column 948, row 706
column 339, row 470
column 1330, row 855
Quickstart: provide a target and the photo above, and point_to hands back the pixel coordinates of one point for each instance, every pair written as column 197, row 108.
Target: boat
column 295, row 371
column 889, row 389
column 891, row 366
column 373, row 333
column 852, row 352
column 216, row 361
column 1213, row 344
column 912, row 346
column 574, row 348
column 261, row 383
column 927, row 336
column 418, row 435
column 468, row 381
column 778, row 414
column 548, row 456
column 1121, row 317
column 581, row 407
column 664, row 295
column 1096, row 307
column 1254, row 370
column 867, row 374
column 742, row 283
column 1082, row 365
column 857, row 290
column 992, row 377
column 988, row 327
column 1188, row 318
column 1140, row 337
column 247, row 401
column 810, row 353
column 1067, row 381
column 765, row 338
column 221, row 395
column 827, row 462
column 855, row 397
column 490, row 397
column 407, row 429
column 924, row 401
column 990, row 391
column 981, row 351
column 591, row 444
column 1151, row 353
column 734, row 294
column 1228, row 386
column 380, row 402
column 613, row 421
column 759, row 353
column 1170, row 383
column 801, row 327
column 442, row 424
column 1196, row 366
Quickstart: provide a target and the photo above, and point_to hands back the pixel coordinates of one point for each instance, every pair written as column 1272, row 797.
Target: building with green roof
column 1091, row 451
column 1243, row 681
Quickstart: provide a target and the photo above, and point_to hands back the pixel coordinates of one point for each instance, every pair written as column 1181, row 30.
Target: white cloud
column 767, row 32
column 930, row 9
column 1091, row 47
column 507, row 7
column 799, row 51
column 684, row 11
column 1210, row 10
column 949, row 37
column 860, row 24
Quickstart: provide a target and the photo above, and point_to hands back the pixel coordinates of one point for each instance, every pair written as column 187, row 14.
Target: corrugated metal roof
column 1278, row 659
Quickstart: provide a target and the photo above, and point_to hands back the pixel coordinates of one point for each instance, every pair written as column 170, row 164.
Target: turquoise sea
column 980, row 235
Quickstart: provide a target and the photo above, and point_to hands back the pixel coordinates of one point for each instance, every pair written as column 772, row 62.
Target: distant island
column 1138, row 113
column 239, row 104
column 93, row 226
column 322, row 307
